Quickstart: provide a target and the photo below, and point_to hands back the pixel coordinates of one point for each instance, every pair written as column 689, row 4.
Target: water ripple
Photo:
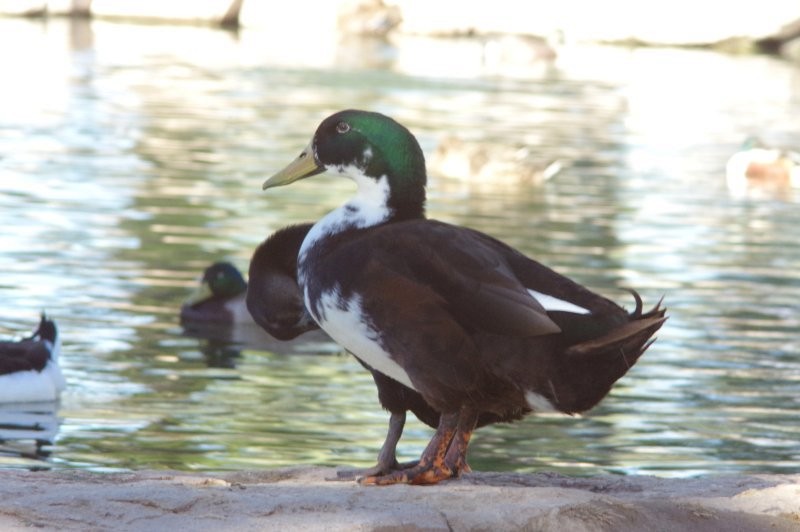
column 125, row 170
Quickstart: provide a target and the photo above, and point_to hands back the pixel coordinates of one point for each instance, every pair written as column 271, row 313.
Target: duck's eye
column 342, row 127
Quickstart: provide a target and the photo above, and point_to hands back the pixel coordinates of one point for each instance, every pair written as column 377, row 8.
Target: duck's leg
column 387, row 457
column 438, row 462
column 456, row 457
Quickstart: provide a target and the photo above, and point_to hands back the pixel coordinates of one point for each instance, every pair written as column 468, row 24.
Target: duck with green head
column 219, row 298
column 473, row 326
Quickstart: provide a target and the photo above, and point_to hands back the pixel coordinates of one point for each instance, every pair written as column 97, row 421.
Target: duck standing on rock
column 29, row 370
column 469, row 323
column 276, row 303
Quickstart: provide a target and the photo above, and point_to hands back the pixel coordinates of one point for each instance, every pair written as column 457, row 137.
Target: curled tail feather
column 593, row 366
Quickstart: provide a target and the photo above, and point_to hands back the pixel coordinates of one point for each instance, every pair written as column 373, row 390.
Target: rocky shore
column 303, row 498
column 769, row 25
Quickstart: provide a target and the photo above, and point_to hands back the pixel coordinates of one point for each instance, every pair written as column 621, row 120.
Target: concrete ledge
column 292, row 499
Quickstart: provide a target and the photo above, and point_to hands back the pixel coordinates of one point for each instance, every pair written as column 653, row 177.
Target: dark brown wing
column 23, row 356
column 465, row 271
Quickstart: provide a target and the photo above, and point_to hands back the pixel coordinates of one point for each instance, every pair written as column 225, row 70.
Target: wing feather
column 467, row 272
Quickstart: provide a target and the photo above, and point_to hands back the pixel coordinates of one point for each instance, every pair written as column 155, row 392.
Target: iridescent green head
column 221, row 280
column 361, row 144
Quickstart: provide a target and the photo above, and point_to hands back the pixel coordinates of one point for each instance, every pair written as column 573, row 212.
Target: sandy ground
column 294, row 499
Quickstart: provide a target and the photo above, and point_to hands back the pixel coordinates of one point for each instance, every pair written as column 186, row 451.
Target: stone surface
column 292, row 499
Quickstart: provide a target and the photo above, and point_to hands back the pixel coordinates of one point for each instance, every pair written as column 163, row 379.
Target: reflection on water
column 131, row 157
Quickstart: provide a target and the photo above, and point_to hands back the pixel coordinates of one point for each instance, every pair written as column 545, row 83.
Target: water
column 132, row 156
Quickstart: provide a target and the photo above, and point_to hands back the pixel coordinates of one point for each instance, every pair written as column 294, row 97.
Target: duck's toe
column 419, row 474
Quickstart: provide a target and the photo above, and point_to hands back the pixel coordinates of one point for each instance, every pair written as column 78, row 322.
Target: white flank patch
column 32, row 386
column 553, row 303
column 347, row 328
column 539, row 403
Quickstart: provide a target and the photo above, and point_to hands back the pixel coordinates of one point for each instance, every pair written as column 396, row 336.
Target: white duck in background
column 757, row 166
column 29, row 370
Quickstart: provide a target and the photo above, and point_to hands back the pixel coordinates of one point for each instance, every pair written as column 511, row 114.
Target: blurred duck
column 491, row 164
column 29, row 370
column 757, row 165
column 218, row 310
column 220, row 297
column 271, row 299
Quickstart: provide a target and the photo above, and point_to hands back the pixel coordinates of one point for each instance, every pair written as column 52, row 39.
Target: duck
column 29, row 370
column 472, row 325
column 218, row 312
column 491, row 164
column 276, row 303
column 758, row 165
column 219, row 298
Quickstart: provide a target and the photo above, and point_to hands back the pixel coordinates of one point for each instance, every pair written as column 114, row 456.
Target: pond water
column 132, row 156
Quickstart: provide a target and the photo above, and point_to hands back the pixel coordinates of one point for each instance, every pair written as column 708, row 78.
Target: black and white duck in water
column 29, row 370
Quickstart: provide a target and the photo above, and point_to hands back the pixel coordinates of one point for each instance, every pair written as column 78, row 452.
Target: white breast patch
column 347, row 327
